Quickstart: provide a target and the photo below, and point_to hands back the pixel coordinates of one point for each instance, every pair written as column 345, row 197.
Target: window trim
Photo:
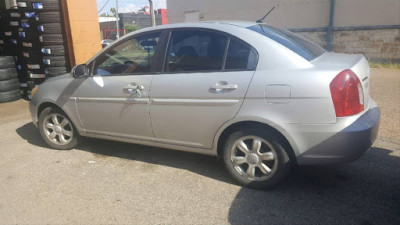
column 153, row 67
column 221, row 70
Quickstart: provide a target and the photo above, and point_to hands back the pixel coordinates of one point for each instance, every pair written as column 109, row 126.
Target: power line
column 103, row 6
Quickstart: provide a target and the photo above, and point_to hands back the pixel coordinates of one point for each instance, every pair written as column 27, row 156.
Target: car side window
column 238, row 56
column 133, row 56
column 194, row 50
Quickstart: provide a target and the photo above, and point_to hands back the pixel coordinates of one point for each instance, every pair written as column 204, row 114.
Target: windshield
column 294, row 42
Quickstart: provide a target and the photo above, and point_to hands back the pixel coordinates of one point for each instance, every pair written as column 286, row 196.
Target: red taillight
column 347, row 94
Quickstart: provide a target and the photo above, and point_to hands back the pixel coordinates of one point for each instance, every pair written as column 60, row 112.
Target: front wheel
column 57, row 129
column 256, row 159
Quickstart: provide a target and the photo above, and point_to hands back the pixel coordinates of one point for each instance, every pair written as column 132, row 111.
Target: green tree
column 130, row 27
column 104, row 15
column 113, row 12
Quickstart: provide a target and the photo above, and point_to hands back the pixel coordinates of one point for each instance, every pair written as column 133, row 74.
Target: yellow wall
column 84, row 29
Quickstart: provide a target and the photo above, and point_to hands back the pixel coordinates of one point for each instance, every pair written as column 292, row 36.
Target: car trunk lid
column 355, row 62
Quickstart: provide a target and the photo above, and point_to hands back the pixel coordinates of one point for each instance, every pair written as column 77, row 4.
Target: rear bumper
column 346, row 145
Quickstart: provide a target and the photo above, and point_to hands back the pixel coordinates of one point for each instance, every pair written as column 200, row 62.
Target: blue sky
column 129, row 5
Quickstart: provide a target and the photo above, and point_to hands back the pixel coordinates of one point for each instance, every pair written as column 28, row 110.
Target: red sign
column 146, row 10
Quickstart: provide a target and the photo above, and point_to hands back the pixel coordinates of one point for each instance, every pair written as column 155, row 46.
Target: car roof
column 238, row 23
column 206, row 24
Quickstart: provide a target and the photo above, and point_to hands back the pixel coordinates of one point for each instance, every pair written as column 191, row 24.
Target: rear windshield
column 294, row 42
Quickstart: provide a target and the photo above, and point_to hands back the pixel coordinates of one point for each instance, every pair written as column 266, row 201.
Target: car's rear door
column 115, row 100
column 205, row 79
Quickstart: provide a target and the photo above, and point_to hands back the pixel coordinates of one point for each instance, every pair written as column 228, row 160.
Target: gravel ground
column 105, row 182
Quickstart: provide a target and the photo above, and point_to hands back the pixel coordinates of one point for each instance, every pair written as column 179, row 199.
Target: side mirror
column 80, row 71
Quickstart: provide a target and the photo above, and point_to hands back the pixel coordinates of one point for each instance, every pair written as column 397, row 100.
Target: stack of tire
column 36, row 40
column 9, row 45
column 9, row 83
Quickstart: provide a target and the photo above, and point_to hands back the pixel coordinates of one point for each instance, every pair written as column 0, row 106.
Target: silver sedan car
column 262, row 98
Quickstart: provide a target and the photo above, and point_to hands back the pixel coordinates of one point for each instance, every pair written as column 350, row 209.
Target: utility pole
column 117, row 18
column 153, row 19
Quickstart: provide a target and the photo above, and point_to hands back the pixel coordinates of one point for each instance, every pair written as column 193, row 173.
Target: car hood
column 61, row 77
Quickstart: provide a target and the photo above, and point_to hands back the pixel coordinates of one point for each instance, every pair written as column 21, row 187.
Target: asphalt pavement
column 106, row 182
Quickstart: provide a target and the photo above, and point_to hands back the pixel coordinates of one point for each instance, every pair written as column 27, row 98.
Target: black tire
column 7, row 62
column 55, row 71
column 27, row 34
column 10, row 96
column 9, row 85
column 13, row 24
column 54, row 61
column 36, row 75
column 24, row 4
column 277, row 168
column 51, row 39
column 50, row 28
column 40, row 5
column 53, row 50
column 32, row 57
column 55, row 143
column 49, row 17
column 31, row 44
column 28, row 85
column 8, row 73
column 14, row 14
column 10, row 49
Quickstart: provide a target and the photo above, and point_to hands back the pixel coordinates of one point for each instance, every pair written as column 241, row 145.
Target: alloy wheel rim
column 254, row 158
column 58, row 129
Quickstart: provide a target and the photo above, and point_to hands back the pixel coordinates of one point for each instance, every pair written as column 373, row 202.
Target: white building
column 371, row 27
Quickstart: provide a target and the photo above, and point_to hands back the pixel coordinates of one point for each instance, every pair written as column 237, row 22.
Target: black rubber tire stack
column 9, row 83
column 51, row 27
column 34, row 34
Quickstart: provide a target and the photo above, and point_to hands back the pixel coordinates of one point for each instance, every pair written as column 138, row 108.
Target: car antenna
column 262, row 19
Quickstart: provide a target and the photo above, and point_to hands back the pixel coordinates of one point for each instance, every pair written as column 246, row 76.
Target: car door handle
column 228, row 87
column 134, row 87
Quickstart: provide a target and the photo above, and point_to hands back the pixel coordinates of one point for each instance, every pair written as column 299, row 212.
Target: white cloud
column 160, row 4
column 130, row 7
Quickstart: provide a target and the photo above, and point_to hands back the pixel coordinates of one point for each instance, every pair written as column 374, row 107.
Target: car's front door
column 203, row 85
column 114, row 101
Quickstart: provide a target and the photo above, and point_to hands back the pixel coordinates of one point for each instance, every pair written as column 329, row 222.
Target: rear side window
column 240, row 56
column 294, row 42
column 193, row 50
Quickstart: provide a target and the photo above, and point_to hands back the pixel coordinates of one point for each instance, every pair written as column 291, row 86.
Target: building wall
column 377, row 45
column 290, row 13
column 84, row 29
column 142, row 20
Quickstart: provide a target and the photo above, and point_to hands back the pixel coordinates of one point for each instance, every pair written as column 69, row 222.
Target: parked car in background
column 262, row 98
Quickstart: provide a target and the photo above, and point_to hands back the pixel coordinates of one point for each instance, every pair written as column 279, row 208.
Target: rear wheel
column 256, row 158
column 57, row 129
